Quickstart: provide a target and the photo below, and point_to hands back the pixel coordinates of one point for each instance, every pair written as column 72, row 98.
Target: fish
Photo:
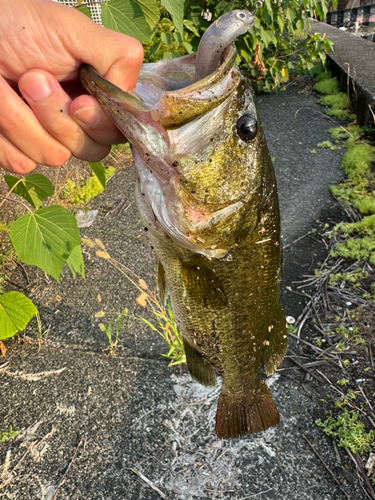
column 207, row 194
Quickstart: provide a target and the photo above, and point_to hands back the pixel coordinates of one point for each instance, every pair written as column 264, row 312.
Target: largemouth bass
column 207, row 194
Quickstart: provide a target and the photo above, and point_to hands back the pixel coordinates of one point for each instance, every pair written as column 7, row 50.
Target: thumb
column 116, row 56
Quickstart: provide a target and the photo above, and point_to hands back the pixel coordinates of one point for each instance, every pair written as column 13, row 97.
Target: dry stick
column 67, row 470
column 359, row 467
column 326, row 336
column 371, row 358
column 146, row 480
column 301, row 366
column 364, row 476
column 295, row 241
column 326, row 467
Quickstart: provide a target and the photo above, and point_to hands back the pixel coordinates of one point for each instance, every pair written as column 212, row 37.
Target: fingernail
column 36, row 87
column 89, row 116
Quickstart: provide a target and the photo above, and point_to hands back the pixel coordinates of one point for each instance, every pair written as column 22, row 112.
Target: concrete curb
column 352, row 60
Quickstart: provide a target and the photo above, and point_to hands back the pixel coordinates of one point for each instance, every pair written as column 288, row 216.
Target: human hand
column 42, row 45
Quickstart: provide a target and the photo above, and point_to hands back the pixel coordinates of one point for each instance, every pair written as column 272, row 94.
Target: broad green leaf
column 176, row 9
column 75, row 262
column 16, row 311
column 46, row 238
column 33, row 188
column 85, row 10
column 190, row 26
column 4, row 228
column 99, row 171
column 126, row 16
column 150, row 10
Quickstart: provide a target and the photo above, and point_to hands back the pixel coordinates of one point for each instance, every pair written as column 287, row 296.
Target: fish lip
column 167, row 111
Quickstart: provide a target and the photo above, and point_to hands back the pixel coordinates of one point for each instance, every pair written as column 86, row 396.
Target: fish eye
column 247, row 127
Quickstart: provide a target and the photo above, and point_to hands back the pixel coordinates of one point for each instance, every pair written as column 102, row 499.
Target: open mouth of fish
column 183, row 113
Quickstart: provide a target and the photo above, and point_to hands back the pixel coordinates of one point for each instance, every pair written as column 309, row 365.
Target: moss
column 350, row 432
column 357, row 160
column 322, row 74
column 327, row 145
column 336, row 101
column 356, row 249
column 345, row 132
column 81, row 194
column 327, row 86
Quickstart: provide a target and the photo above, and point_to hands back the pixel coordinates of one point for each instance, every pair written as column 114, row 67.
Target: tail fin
column 245, row 414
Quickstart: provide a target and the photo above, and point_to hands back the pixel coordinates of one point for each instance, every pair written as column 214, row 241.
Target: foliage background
column 277, row 45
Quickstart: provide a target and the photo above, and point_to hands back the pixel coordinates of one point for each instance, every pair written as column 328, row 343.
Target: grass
column 8, row 435
column 112, row 330
column 165, row 324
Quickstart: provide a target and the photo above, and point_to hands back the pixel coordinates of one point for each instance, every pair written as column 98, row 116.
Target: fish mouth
column 159, row 119
column 166, row 91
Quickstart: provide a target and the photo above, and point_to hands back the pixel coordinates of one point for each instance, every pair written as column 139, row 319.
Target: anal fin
column 274, row 352
column 252, row 412
column 200, row 370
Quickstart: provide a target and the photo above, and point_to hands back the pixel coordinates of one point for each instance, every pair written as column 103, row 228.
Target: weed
column 340, row 346
column 166, row 325
column 343, row 382
column 169, row 332
column 350, row 431
column 7, row 436
column 112, row 330
column 82, row 193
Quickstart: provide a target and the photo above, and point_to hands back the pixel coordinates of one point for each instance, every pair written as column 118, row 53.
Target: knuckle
column 57, row 157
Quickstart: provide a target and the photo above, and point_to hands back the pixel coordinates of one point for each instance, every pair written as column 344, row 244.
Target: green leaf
column 33, row 188
column 46, row 238
column 190, row 26
column 4, row 228
column 176, row 9
column 99, row 171
column 151, row 11
column 16, row 311
column 85, row 10
column 126, row 16
column 75, row 262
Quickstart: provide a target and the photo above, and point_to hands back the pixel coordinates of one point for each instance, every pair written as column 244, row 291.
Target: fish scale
column 206, row 192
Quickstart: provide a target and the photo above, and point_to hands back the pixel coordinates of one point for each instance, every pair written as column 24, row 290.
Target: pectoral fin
column 273, row 352
column 161, row 282
column 203, row 285
column 199, row 369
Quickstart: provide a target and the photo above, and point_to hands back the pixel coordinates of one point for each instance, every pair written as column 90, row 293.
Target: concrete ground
column 128, row 427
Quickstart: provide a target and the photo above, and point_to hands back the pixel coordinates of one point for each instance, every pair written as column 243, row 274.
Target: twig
column 358, row 465
column 326, row 467
column 364, row 395
column 67, row 470
column 371, row 358
column 300, row 366
column 146, row 480
column 295, row 241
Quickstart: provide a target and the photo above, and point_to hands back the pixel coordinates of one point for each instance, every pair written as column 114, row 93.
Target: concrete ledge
column 353, row 62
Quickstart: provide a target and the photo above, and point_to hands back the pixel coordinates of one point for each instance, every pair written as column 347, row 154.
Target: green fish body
column 207, row 194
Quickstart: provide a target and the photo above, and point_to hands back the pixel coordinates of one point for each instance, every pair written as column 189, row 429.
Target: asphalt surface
column 93, row 424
